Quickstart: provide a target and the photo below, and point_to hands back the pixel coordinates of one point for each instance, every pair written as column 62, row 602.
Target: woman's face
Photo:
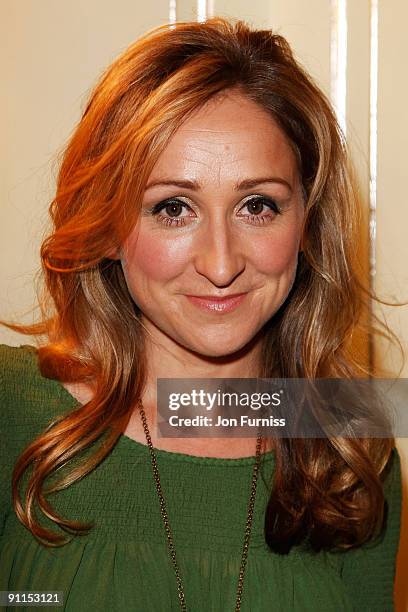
column 222, row 214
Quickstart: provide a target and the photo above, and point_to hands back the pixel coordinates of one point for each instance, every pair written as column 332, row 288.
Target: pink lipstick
column 216, row 304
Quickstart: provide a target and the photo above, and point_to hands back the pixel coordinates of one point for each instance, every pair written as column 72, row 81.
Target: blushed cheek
column 154, row 258
column 275, row 257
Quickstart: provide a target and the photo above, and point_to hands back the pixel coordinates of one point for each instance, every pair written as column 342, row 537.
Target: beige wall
column 53, row 52
column 392, row 210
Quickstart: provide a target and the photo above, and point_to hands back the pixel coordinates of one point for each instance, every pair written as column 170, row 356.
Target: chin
column 219, row 349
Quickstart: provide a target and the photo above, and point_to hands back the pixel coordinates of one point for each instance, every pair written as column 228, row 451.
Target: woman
column 206, row 164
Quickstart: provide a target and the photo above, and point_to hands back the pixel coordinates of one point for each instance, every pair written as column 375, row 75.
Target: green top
column 123, row 563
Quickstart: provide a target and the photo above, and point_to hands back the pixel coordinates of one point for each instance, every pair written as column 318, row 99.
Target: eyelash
column 180, row 221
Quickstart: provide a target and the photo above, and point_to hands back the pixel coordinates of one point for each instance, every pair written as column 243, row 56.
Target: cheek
column 277, row 255
column 153, row 258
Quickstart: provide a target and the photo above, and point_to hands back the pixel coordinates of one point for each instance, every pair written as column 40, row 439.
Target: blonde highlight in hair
column 329, row 490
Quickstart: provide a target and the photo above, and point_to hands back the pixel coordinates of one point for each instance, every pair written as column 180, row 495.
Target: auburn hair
column 329, row 490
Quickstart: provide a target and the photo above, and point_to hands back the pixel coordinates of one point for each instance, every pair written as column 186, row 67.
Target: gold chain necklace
column 170, row 542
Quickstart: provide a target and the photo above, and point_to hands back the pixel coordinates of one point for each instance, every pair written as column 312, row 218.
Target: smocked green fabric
column 122, row 564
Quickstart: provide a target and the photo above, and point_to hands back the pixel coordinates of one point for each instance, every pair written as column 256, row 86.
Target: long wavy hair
column 329, row 490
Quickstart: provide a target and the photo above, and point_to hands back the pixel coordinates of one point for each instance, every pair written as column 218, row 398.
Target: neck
column 167, row 359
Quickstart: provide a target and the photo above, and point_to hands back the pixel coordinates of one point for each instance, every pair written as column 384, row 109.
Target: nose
column 219, row 252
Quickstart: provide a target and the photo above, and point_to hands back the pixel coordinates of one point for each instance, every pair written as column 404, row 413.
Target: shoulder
column 17, row 367
column 369, row 571
column 17, row 374
column 28, row 400
column 393, row 504
column 393, row 479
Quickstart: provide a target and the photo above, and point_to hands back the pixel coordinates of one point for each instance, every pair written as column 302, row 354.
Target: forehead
column 229, row 133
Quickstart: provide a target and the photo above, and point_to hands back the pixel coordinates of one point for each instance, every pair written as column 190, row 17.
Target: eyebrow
column 240, row 186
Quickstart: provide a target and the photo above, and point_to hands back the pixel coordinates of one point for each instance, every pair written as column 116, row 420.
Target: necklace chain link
column 170, row 541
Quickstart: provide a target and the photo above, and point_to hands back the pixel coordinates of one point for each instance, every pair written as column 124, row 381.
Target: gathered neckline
column 160, row 452
column 131, row 444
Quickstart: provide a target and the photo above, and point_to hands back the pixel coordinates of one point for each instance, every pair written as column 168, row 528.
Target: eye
column 256, row 206
column 173, row 207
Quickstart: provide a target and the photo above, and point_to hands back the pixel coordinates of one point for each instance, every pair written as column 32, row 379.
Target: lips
column 217, row 304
